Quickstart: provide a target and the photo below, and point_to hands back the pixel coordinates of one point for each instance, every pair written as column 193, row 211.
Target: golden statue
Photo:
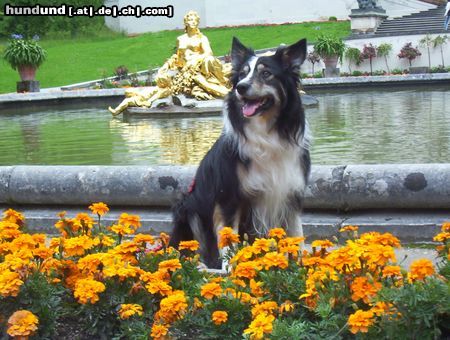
column 192, row 70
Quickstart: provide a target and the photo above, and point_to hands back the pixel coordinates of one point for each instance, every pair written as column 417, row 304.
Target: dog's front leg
column 294, row 226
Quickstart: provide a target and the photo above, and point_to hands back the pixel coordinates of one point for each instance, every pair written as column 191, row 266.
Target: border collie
column 254, row 176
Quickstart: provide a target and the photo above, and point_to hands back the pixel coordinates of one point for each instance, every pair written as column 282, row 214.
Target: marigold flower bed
column 107, row 281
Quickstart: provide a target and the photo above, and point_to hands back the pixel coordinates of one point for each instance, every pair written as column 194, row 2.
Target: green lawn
column 71, row 61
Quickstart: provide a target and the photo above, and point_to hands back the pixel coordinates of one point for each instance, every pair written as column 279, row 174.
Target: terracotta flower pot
column 27, row 72
column 331, row 62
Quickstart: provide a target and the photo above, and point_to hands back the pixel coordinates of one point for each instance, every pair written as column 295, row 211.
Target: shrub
column 332, row 18
column 357, row 73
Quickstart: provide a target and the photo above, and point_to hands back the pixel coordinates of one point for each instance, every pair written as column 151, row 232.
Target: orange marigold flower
column 286, row 306
column 247, row 269
column 76, row 246
column 322, row 244
column 362, row 289
column 99, row 208
column 348, row 228
column 14, row 217
column 121, row 229
column 274, row 259
column 211, row 290
column 219, row 317
column 84, row 220
column 420, row 269
column 189, row 245
column 144, row 238
column 227, row 237
column 255, row 288
column 261, row 325
column 391, row 271
column 164, row 239
column 382, row 308
column 130, row 220
column 242, row 255
column 87, row 290
column 129, row 309
column 10, row 283
column 173, row 307
column 277, row 233
column 262, row 245
column 169, row 265
column 159, row 331
column 290, row 245
column 360, row 321
column 266, row 307
column 9, row 230
column 22, row 323
column 442, row 237
column 445, row 226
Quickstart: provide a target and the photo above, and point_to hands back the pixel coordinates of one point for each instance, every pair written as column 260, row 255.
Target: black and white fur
column 254, row 176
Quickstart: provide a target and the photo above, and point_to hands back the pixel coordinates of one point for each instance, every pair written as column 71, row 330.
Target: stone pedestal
column 28, row 86
column 365, row 21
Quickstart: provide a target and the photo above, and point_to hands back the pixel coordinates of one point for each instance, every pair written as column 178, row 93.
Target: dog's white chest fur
column 273, row 176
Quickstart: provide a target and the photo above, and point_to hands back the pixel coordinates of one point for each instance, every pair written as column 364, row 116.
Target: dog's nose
column 242, row 88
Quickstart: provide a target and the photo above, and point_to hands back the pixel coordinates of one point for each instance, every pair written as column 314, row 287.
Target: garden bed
column 105, row 281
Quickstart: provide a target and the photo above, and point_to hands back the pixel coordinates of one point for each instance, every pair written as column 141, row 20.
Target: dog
column 254, row 176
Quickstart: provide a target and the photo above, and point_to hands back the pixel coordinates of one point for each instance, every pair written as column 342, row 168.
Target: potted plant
column 24, row 55
column 313, row 58
column 331, row 50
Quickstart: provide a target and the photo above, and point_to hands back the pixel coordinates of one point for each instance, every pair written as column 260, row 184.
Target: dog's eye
column 266, row 74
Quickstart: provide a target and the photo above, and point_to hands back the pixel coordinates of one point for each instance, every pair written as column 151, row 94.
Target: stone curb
column 342, row 188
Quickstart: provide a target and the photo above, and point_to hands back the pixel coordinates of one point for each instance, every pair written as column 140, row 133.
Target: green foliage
column 328, row 46
column 383, row 50
column 30, row 25
column 397, row 71
column 353, row 55
column 21, row 51
column 41, row 298
column 332, row 18
column 379, row 73
column 424, row 309
column 357, row 73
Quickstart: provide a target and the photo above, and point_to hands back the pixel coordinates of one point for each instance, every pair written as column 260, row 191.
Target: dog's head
column 261, row 84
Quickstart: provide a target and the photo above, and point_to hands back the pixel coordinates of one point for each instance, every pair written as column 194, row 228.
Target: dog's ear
column 293, row 55
column 239, row 53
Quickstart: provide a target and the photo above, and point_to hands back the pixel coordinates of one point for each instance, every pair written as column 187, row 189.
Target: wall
column 236, row 12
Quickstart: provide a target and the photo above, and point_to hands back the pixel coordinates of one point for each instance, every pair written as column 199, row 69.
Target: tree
column 427, row 42
column 369, row 52
column 383, row 51
column 440, row 41
column 409, row 52
column 313, row 57
column 353, row 55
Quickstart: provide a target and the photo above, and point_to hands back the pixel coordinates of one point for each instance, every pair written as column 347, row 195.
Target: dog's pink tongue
column 249, row 108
